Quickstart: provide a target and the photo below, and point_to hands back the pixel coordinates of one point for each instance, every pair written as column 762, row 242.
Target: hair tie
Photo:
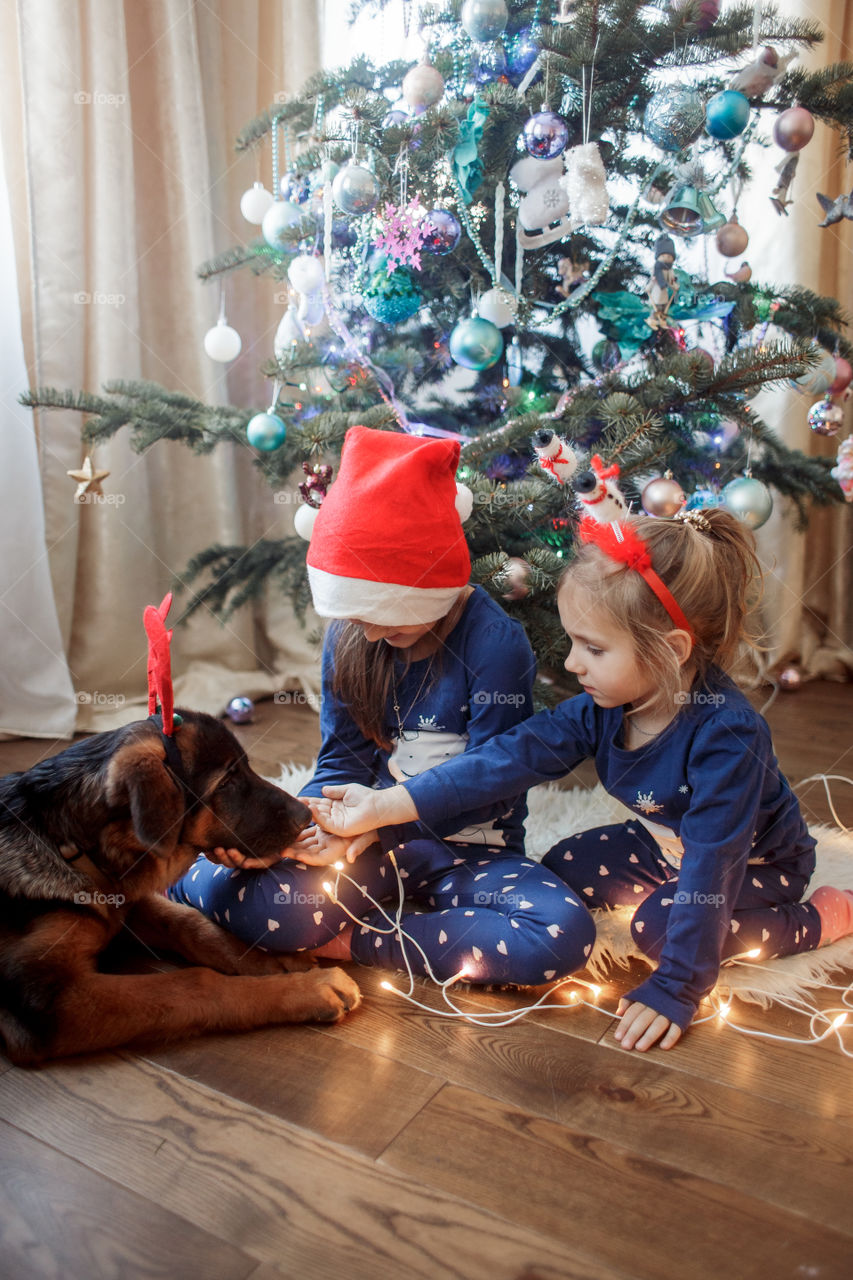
column 695, row 518
column 622, row 543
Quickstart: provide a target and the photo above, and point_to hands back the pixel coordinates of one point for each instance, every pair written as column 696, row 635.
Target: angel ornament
column 663, row 286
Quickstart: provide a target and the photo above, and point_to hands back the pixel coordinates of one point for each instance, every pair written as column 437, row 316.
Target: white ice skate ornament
column 598, row 492
column 543, row 214
column 585, row 185
column 555, row 455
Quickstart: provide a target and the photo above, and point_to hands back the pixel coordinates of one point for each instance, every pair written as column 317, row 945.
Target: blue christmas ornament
column 476, row 344
column 674, row 116
column 266, row 431
column 521, row 54
column 545, row 135
column 490, row 64
column 727, row 114
column 295, row 187
column 278, row 220
column 442, row 231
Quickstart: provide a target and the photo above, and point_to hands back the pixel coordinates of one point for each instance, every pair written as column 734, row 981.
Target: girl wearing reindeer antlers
column 418, row 667
column 717, row 855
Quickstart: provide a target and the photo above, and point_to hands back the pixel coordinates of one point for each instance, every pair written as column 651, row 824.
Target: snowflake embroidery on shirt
column 647, row 803
column 684, row 788
column 428, row 722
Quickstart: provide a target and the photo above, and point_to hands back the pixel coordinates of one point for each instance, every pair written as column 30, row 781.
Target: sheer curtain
column 118, row 124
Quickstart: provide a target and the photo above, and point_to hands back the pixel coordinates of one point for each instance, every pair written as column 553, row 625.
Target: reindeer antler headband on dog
column 160, row 666
column 622, row 543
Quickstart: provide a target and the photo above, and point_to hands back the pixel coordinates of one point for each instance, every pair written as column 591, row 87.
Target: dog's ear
column 137, row 776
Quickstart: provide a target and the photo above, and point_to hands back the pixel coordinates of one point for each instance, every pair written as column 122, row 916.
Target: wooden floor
column 400, row 1144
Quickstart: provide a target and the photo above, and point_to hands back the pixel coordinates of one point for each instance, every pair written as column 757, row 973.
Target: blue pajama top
column 479, row 685
column 708, row 788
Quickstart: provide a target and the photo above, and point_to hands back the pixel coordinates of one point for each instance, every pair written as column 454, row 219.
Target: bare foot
column 338, row 948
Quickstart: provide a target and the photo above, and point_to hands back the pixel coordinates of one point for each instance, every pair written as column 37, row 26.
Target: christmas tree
column 506, row 242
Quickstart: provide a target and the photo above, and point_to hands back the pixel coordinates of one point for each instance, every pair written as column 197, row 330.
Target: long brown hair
column 713, row 574
column 364, row 676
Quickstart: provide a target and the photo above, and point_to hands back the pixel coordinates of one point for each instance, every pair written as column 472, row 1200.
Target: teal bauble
column 391, row 297
column 674, row 116
column 476, row 344
column 749, row 500
column 266, row 431
column 726, row 114
column 278, row 219
column 484, row 20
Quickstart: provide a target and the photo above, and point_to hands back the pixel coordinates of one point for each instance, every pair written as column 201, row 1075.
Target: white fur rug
column 556, row 813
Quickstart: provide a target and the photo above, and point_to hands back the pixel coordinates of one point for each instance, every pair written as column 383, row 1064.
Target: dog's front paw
column 336, row 994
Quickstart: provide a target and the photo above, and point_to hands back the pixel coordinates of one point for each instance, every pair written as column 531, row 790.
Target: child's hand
column 352, row 809
column 641, row 1027
column 319, row 848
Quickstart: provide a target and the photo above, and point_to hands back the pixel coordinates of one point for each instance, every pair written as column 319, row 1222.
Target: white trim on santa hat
column 382, row 604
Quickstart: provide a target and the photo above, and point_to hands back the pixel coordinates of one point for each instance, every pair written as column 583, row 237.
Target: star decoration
column 88, row 479
column 401, row 234
column 835, row 210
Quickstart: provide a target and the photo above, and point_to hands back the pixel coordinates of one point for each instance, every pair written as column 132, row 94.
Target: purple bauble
column 545, row 135
column 240, row 710
column 396, row 116
column 442, row 231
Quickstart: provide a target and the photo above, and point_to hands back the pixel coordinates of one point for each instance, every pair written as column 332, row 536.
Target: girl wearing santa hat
column 418, row 667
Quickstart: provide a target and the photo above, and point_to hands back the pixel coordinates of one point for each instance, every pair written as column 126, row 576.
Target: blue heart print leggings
column 502, row 917
column 622, row 865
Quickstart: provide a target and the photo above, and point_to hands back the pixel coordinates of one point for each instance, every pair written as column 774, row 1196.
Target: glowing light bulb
column 839, row 1021
column 386, row 986
column 724, row 1010
column 754, row 953
column 596, row 991
column 339, row 866
column 327, row 887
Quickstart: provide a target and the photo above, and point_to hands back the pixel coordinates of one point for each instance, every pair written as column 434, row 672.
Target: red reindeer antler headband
column 622, row 543
column 160, row 664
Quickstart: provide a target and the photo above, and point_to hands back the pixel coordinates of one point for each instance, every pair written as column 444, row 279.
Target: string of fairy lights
column 822, row 1024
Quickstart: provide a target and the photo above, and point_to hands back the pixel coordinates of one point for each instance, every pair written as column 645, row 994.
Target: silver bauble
column 484, row 20
column 497, row 305
column 674, row 116
column 355, row 189
column 663, row 497
column 277, row 221
column 825, row 418
column 749, row 500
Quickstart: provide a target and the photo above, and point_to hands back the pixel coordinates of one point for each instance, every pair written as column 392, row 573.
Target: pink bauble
column 732, row 239
column 790, row 679
column 843, row 375
column 794, row 128
column 663, row 497
column 423, row 86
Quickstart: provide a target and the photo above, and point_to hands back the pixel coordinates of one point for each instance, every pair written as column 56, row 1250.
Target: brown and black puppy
column 89, row 840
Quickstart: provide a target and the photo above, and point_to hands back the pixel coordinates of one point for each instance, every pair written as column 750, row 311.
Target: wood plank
column 335, row 1089
column 285, row 1198
column 58, row 1219
column 618, row 1207
column 763, row 1068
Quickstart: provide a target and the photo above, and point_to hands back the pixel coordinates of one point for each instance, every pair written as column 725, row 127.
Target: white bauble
column 222, row 343
column 303, row 520
column 311, row 309
column 497, row 305
column 288, row 333
column 255, row 202
column 306, row 273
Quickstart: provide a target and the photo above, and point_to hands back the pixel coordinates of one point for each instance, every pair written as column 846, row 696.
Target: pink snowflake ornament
column 401, row 234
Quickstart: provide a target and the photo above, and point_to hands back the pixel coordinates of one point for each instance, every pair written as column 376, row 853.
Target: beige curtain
column 119, row 118
column 809, row 598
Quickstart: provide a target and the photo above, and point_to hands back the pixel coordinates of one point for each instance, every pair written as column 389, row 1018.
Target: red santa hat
column 387, row 545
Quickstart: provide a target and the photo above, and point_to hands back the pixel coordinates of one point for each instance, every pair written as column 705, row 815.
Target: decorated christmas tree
column 507, row 242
